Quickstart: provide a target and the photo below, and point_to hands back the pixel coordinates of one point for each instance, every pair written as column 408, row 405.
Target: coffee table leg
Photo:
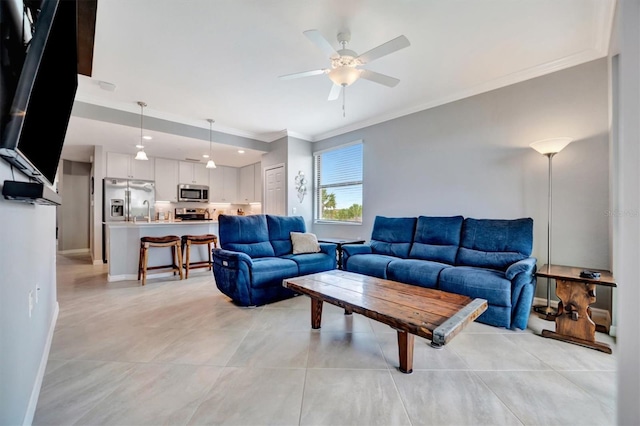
column 405, row 351
column 316, row 313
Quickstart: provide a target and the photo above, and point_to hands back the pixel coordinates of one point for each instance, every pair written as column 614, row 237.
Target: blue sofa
column 256, row 254
column 484, row 258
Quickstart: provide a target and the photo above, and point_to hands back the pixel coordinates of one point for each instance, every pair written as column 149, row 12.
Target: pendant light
column 210, row 164
column 141, row 155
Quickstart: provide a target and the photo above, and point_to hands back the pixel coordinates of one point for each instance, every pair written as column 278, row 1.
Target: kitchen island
column 123, row 245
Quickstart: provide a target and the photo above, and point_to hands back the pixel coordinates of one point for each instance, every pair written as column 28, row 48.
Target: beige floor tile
column 74, row 388
column 253, row 396
column 546, row 398
column 493, row 352
column 154, row 394
column 602, row 385
column 337, row 349
column 351, row 397
column 277, row 349
column 451, row 398
column 202, row 347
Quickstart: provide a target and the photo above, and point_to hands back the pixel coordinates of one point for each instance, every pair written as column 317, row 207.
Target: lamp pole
column 549, row 148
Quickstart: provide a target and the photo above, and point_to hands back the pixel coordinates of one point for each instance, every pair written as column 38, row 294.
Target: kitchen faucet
column 148, row 210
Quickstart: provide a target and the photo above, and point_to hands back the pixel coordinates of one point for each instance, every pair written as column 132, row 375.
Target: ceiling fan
column 344, row 69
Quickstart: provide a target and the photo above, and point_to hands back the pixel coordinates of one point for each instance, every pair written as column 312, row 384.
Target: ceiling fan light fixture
column 344, row 75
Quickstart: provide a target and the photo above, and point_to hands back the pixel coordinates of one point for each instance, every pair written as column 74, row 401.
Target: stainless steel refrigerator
column 123, row 200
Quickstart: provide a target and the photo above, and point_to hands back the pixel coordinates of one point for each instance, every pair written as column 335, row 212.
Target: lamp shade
column 141, row 155
column 344, row 75
column 551, row 146
column 210, row 164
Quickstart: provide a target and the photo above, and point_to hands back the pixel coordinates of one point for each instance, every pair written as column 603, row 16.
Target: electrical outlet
column 294, row 210
column 30, row 302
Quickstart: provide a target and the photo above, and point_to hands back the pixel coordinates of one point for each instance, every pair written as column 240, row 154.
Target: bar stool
column 172, row 241
column 188, row 241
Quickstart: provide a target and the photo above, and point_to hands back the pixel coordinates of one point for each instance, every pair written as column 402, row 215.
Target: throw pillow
column 304, row 242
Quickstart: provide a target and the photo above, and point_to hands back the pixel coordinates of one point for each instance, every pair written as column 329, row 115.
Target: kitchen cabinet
column 125, row 166
column 246, row 193
column 223, row 185
column 166, row 180
column 257, row 182
column 193, row 173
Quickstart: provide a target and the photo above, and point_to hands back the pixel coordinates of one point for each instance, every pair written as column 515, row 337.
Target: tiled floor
column 178, row 352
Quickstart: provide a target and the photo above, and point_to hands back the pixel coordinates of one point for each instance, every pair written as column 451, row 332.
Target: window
column 338, row 178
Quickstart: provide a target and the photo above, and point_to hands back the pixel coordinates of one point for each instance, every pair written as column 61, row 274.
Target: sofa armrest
column 351, row 249
column 527, row 266
column 231, row 259
column 328, row 248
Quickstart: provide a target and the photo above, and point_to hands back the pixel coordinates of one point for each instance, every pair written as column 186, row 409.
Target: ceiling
column 196, row 59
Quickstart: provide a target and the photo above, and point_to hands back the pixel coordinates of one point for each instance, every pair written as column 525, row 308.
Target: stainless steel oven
column 197, row 193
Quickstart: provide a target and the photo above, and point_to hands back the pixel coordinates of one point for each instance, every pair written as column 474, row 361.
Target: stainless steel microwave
column 193, row 193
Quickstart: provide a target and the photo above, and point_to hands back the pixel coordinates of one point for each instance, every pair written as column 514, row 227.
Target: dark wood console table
column 573, row 321
column 340, row 242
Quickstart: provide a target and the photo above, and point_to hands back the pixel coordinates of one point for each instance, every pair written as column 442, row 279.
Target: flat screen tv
column 35, row 124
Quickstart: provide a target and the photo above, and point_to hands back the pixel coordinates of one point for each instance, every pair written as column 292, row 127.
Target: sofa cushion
column 477, row 282
column 310, row 263
column 392, row 236
column 280, row 229
column 495, row 243
column 374, row 265
column 437, row 239
column 269, row 271
column 246, row 234
column 423, row 273
column 304, row 242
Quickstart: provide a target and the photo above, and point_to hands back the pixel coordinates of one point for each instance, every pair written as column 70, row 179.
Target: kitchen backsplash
column 215, row 209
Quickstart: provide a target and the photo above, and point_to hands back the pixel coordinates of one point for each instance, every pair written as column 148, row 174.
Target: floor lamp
column 549, row 148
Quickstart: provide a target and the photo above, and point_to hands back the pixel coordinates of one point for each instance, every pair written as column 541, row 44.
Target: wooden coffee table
column 410, row 310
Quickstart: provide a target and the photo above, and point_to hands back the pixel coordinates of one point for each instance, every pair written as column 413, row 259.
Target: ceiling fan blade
column 384, row 49
column 318, row 39
column 379, row 78
column 302, row 74
column 335, row 92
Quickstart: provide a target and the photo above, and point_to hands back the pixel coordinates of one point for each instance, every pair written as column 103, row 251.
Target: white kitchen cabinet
column 125, row 166
column 257, row 182
column 246, row 193
column 193, row 173
column 223, row 185
column 230, row 189
column 166, row 180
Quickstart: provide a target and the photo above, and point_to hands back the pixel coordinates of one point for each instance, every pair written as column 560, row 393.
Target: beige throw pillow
column 304, row 242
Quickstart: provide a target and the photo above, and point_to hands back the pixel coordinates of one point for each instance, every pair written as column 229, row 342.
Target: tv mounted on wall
column 45, row 83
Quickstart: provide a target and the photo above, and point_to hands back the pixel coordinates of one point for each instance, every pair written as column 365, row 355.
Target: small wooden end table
column 573, row 321
column 340, row 242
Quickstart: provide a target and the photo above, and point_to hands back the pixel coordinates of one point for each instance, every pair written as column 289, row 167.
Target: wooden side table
column 573, row 321
column 339, row 242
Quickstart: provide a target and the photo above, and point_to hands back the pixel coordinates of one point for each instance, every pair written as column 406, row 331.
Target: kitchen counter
column 123, row 245
column 144, row 223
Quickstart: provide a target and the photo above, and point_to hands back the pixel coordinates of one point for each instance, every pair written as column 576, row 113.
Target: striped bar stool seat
column 188, row 241
column 146, row 243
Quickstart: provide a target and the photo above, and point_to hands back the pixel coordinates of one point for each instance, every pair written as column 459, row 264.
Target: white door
column 274, row 191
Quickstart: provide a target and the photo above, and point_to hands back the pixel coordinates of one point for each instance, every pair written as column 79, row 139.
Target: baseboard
column 98, row 262
column 134, row 277
column 35, row 392
column 74, row 251
column 540, row 301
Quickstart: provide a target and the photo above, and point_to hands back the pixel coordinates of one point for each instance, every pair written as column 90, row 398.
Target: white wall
column 300, row 158
column 75, row 209
column 27, row 262
column 472, row 157
column 626, row 241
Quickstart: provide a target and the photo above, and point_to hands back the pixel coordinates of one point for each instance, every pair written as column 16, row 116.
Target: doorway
column 274, row 201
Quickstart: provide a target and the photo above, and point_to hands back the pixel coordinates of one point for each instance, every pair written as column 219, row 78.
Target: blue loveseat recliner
column 484, row 258
column 256, row 254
